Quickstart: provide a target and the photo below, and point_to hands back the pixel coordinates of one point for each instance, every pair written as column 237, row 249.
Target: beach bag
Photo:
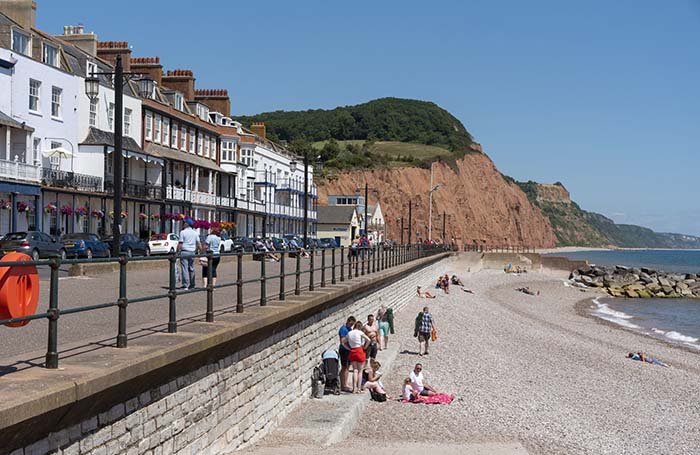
column 433, row 335
column 376, row 396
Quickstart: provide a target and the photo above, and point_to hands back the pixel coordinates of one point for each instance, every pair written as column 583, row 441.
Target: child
column 409, row 394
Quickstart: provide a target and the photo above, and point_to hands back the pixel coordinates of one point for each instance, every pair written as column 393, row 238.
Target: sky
column 603, row 96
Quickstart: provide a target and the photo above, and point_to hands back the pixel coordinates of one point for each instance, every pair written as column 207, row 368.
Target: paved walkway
column 27, row 345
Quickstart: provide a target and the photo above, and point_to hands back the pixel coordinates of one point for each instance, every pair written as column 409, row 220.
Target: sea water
column 673, row 320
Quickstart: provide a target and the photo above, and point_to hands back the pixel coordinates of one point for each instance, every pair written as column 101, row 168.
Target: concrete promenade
column 26, row 346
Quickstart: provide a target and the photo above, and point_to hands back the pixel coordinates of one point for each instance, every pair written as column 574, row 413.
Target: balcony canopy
column 6, row 120
column 176, row 155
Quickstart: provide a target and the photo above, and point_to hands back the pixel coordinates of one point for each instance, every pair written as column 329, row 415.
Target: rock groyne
column 620, row 281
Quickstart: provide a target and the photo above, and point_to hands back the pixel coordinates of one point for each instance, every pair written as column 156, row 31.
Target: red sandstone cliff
column 480, row 205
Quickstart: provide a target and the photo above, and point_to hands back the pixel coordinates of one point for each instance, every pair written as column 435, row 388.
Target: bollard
column 122, row 303
column 210, row 287
column 282, row 296
column 239, row 282
column 172, row 295
column 52, row 349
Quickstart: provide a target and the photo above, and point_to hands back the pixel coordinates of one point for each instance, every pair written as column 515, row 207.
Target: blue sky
column 603, row 96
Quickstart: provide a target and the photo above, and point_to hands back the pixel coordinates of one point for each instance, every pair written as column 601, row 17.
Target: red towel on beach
column 441, row 398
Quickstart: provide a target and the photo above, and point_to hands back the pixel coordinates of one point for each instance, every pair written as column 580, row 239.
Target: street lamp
column 293, row 167
column 92, row 90
column 376, row 193
column 430, row 202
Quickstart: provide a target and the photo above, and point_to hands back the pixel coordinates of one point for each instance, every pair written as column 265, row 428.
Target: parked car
column 131, row 245
column 33, row 243
column 226, row 243
column 312, row 243
column 84, row 244
column 327, row 242
column 243, row 244
column 163, row 243
column 280, row 244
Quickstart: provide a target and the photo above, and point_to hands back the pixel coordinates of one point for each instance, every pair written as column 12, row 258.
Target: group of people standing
column 359, row 344
column 190, row 245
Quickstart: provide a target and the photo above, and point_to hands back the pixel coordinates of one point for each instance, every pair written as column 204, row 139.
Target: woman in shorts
column 356, row 342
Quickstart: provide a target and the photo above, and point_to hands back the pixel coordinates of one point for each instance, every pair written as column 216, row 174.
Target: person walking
column 212, row 243
column 344, row 353
column 424, row 325
column 188, row 246
column 383, row 319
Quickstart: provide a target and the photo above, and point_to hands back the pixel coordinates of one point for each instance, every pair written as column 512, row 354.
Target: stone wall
column 231, row 403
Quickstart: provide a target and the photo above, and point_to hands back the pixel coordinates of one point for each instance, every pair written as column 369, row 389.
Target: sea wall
column 635, row 282
column 234, row 399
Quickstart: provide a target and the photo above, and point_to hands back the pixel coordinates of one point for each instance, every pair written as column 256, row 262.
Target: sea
column 673, row 320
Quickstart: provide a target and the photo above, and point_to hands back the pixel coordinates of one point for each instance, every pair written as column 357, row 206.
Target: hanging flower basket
column 99, row 214
column 23, row 207
column 228, row 225
column 81, row 212
column 67, row 210
column 50, row 208
column 125, row 213
column 5, row 205
column 142, row 216
column 155, row 216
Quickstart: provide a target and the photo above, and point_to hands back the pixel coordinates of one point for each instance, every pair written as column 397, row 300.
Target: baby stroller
column 330, row 371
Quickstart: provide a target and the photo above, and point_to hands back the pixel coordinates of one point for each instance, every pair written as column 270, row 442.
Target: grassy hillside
column 380, row 132
column 574, row 226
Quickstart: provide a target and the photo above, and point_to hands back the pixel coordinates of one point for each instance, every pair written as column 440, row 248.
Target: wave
column 676, row 336
column 603, row 311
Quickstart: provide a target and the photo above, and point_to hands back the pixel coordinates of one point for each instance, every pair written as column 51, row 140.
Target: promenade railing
column 336, row 265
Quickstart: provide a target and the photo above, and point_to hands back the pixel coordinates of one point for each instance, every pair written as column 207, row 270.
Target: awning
column 6, row 120
column 138, row 156
column 98, row 137
column 176, row 155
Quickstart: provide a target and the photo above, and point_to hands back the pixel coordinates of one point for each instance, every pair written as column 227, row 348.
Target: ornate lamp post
column 376, row 193
column 92, row 90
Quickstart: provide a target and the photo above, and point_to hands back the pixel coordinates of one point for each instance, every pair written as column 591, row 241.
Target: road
column 25, row 346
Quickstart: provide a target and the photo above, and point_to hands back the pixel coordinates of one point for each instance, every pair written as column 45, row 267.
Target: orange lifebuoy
column 19, row 289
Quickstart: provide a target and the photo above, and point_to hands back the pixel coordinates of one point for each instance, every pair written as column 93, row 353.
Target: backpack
column 376, row 396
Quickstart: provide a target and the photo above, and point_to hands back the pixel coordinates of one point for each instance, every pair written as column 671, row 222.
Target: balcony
column 64, row 179
column 20, row 171
column 136, row 188
column 296, row 187
column 195, row 197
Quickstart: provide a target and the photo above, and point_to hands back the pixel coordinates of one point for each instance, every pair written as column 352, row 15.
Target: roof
column 176, row 155
column 6, row 120
column 98, row 137
column 335, row 214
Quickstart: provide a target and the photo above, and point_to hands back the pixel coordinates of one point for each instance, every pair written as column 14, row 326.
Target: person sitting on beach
column 526, row 290
column 409, row 394
column 370, row 379
column 445, row 284
column 438, row 285
column 425, row 294
column 456, row 281
column 418, row 382
column 642, row 358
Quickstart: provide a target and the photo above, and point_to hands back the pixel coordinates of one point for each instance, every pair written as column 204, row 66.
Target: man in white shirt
column 188, row 246
column 419, row 384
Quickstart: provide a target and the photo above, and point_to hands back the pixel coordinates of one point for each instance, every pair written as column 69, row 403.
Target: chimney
column 182, row 81
column 149, row 66
column 217, row 99
column 21, row 11
column 258, row 128
column 75, row 34
column 108, row 50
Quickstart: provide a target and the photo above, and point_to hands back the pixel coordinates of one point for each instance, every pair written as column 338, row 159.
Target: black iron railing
column 345, row 264
column 137, row 188
column 65, row 179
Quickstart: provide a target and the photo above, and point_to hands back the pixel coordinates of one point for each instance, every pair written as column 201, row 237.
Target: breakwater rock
column 620, row 281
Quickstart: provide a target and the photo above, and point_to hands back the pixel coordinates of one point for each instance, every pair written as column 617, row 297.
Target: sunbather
column 642, row 358
column 426, row 294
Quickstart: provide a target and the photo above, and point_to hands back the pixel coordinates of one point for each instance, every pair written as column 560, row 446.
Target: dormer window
column 21, row 43
column 91, row 68
column 202, row 112
column 50, row 56
column 179, row 102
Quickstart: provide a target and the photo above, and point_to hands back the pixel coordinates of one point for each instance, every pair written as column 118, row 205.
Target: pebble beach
column 538, row 370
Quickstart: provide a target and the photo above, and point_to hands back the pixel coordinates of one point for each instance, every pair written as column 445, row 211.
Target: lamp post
column 293, row 168
column 430, row 202
column 92, row 90
column 376, row 192
column 410, row 224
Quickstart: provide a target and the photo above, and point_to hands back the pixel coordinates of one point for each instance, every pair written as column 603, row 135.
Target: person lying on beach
column 426, row 294
column 526, row 290
column 642, row 358
column 456, row 281
column 468, row 290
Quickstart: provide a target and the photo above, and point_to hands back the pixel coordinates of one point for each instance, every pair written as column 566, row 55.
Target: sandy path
column 533, row 369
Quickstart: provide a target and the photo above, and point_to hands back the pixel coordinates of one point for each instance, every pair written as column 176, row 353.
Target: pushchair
column 330, row 371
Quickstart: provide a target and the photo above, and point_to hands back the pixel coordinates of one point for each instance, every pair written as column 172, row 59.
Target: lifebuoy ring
column 19, row 289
